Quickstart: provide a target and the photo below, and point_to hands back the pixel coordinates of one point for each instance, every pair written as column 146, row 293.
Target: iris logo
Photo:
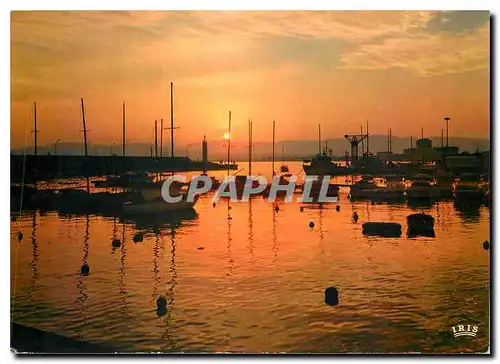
column 464, row 330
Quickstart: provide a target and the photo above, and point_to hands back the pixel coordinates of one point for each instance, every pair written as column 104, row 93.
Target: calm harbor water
column 255, row 282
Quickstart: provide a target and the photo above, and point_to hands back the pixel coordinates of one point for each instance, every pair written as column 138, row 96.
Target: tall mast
column 123, row 131
column 161, row 137
column 319, row 139
column 442, row 139
column 274, row 133
column 172, row 117
column 36, row 130
column 250, row 141
column 282, row 151
column 156, row 138
column 390, row 140
column 229, row 145
column 362, row 142
column 84, row 128
column 367, row 139
column 411, row 148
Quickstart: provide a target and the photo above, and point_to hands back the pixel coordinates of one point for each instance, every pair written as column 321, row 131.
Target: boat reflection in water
column 162, row 220
column 252, row 278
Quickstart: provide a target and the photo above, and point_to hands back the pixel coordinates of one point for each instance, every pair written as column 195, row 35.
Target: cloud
column 425, row 54
column 457, row 21
column 71, row 52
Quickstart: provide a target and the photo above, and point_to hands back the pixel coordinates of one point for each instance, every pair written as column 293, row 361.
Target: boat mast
column 367, row 139
column 35, row 131
column 123, row 131
column 362, row 142
column 249, row 147
column 85, row 143
column 172, row 118
column 156, row 138
column 319, row 139
column 282, row 152
column 274, row 133
column 229, row 145
column 84, row 128
column 390, row 140
column 161, row 137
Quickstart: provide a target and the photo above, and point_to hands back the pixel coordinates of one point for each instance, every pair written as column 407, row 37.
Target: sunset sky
column 403, row 70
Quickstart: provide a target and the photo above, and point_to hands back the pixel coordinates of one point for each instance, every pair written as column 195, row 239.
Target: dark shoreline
column 26, row 340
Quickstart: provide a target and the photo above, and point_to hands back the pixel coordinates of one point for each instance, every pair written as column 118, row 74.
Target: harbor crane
column 354, row 140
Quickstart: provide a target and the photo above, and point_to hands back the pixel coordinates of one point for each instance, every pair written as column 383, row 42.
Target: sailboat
column 150, row 198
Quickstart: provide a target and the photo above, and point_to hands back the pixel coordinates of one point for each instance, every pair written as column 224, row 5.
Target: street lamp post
column 111, row 149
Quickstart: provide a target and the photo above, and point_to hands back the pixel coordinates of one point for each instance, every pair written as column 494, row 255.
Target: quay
column 46, row 167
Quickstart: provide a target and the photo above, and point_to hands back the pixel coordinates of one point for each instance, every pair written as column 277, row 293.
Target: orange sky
column 405, row 70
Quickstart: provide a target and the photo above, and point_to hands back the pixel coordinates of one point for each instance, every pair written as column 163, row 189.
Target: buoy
column 200, row 248
column 161, row 306
column 301, row 209
column 85, row 270
column 337, row 208
column 137, row 238
column 355, row 216
column 19, row 236
column 214, row 204
column 486, row 245
column 311, row 224
column 161, row 302
column 276, row 208
column 116, row 243
column 331, row 296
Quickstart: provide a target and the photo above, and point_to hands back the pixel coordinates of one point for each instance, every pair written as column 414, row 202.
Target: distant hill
column 293, row 149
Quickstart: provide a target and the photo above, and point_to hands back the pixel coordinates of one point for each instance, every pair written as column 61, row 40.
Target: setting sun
column 227, row 136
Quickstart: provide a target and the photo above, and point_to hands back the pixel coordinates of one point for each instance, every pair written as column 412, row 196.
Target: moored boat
column 322, row 165
column 363, row 187
column 422, row 189
column 467, row 189
column 125, row 180
column 383, row 229
column 420, row 224
column 152, row 202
